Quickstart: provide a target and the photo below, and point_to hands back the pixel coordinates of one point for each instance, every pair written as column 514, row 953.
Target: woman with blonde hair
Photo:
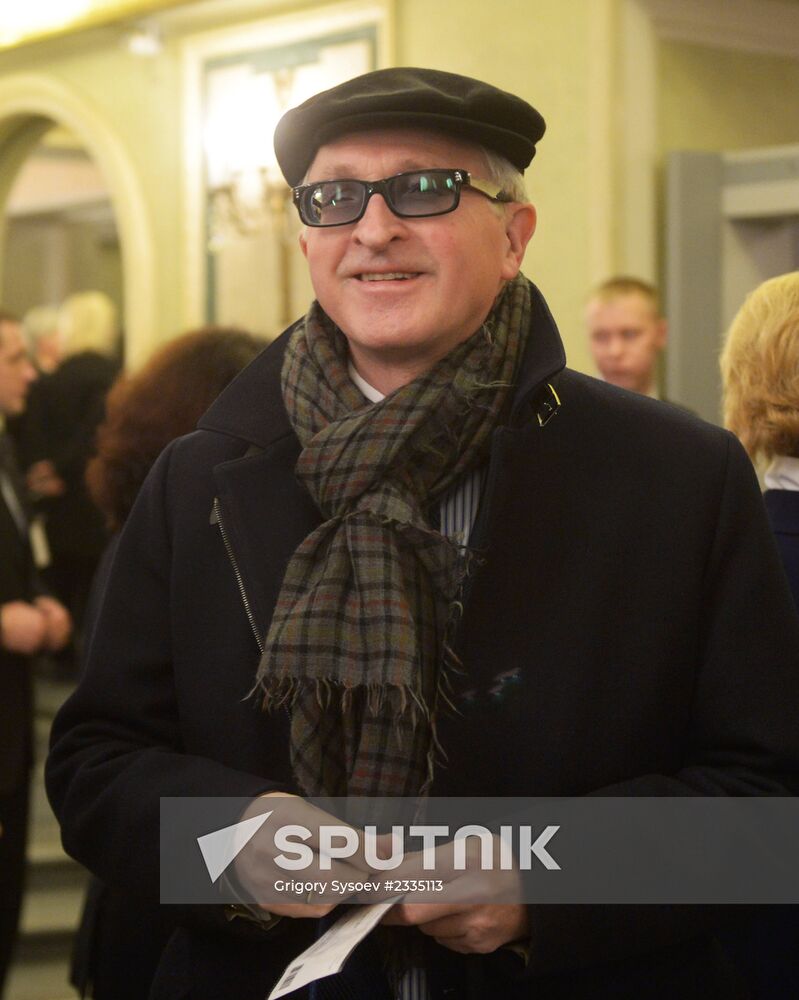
column 760, row 371
column 88, row 321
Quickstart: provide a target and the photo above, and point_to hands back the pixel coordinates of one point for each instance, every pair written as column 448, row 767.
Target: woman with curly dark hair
column 144, row 412
column 163, row 400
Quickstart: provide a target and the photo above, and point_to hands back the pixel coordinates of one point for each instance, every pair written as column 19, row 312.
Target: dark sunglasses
column 415, row 194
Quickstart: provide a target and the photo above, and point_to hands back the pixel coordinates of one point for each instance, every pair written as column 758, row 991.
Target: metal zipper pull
column 216, row 518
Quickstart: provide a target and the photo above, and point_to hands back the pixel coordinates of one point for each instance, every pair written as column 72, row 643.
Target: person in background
column 626, row 333
column 31, row 622
column 69, row 407
column 45, row 346
column 144, row 412
column 760, row 375
column 760, row 378
column 45, row 338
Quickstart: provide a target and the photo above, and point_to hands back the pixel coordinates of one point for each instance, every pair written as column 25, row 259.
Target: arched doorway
column 29, row 106
column 61, row 233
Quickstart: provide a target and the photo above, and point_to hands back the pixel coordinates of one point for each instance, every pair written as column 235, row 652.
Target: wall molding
column 25, row 101
column 767, row 27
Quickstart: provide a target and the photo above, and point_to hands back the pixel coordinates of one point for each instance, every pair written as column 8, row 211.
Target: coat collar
column 544, row 358
column 251, row 407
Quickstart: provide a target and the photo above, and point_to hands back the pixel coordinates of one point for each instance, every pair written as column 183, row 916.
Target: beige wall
column 546, row 50
column 545, row 59
column 541, row 51
column 713, row 99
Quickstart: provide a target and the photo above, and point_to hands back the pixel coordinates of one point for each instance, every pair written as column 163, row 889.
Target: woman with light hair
column 87, row 321
column 760, row 371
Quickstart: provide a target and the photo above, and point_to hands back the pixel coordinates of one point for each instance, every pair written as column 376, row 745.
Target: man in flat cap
column 409, row 553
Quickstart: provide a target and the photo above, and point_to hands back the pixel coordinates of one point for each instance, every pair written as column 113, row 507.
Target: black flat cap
column 408, row 97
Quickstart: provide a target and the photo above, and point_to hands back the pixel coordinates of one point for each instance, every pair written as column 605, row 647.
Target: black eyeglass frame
column 461, row 178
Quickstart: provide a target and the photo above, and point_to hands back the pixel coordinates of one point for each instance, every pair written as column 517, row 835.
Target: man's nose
column 378, row 226
column 616, row 347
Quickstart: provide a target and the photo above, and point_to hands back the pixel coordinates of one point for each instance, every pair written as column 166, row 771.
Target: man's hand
column 23, row 628
column 257, row 871
column 480, row 908
column 468, row 928
column 58, row 624
column 43, row 480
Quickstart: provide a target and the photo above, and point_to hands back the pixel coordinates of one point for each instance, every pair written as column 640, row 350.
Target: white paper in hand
column 331, row 951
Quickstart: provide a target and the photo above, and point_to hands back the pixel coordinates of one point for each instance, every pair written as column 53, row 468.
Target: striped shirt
column 457, row 514
column 458, row 508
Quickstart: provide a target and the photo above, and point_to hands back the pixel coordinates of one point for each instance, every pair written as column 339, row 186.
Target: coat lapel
column 264, row 512
column 264, row 516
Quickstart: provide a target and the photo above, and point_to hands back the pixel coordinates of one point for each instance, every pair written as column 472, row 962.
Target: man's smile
column 386, row 276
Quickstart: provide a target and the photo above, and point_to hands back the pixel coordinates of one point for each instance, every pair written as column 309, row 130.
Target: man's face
column 625, row 336
column 16, row 371
column 406, row 291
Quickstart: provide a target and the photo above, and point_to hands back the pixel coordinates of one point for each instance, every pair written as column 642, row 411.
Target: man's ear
column 663, row 333
column 520, row 223
column 303, row 242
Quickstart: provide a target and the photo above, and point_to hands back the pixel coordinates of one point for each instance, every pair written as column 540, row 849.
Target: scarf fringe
column 408, row 704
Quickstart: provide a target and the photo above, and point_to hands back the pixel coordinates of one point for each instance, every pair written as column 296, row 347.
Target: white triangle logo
column 221, row 847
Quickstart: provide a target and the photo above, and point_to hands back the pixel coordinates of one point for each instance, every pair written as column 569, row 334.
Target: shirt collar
column 369, row 391
column 783, row 473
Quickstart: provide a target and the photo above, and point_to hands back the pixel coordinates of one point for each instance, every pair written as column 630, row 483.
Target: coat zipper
column 216, row 518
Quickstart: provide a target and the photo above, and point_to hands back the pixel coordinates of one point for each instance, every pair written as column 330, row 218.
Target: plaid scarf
column 358, row 636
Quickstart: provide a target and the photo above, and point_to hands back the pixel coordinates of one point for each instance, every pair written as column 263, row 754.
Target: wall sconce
column 243, row 95
column 247, row 194
column 144, row 40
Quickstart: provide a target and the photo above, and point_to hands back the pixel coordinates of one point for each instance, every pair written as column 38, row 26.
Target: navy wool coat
column 628, row 582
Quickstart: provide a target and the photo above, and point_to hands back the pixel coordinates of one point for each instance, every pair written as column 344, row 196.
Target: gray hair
column 39, row 322
column 502, row 172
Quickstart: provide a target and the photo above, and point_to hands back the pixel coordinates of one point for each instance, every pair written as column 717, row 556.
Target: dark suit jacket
column 783, row 513
column 16, row 583
column 621, row 545
column 60, row 423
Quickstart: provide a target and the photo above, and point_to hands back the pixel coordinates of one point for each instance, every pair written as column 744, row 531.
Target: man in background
column 626, row 333
column 46, row 342
column 30, row 623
